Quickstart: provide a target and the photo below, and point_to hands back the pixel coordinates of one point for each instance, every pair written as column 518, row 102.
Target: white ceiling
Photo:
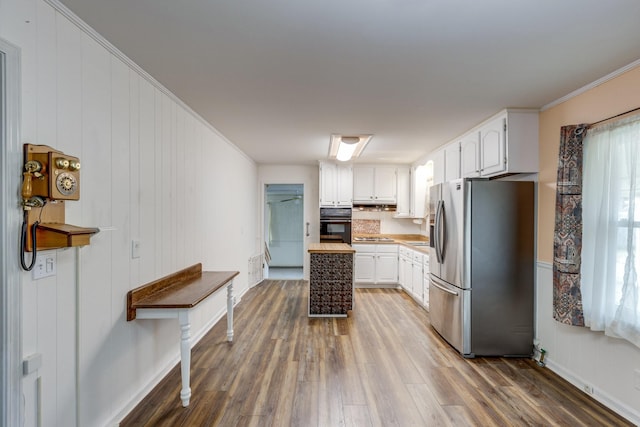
column 278, row 77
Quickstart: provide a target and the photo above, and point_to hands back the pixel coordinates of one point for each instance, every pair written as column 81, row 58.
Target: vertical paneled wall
column 151, row 171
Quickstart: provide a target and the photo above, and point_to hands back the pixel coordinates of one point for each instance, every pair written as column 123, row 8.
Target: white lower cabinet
column 425, row 281
column 414, row 274
column 416, row 269
column 376, row 264
column 404, row 268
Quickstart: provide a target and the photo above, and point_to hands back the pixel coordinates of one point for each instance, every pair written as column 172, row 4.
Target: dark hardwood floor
column 382, row 366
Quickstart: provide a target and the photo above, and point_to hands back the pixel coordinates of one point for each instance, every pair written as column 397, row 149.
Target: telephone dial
column 49, row 178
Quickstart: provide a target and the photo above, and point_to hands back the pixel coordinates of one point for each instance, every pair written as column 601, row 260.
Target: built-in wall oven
column 335, row 225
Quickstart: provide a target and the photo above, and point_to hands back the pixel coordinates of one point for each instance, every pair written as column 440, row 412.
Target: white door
column 285, row 229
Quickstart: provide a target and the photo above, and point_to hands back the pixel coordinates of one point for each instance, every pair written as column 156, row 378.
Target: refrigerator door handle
column 440, row 232
column 436, row 233
column 442, row 288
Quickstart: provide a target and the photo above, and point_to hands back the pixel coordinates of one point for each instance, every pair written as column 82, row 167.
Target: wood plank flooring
column 382, row 366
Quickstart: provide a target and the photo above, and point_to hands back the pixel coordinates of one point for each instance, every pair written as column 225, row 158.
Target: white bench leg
column 185, row 356
column 230, row 312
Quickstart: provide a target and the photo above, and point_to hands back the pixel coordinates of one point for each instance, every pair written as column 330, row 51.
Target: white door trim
column 10, row 214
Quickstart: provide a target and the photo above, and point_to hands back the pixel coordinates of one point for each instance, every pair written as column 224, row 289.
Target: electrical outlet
column 135, row 249
column 588, row 388
column 636, row 379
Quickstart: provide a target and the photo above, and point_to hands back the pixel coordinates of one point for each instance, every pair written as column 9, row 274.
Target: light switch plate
column 45, row 266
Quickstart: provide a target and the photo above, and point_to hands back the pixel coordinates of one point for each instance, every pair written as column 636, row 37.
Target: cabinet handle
column 308, row 223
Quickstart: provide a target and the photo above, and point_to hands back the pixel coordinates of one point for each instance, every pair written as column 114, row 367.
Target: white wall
column 151, row 171
column 309, row 177
column 584, row 357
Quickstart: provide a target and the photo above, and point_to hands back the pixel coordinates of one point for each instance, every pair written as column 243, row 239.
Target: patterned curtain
column 567, row 238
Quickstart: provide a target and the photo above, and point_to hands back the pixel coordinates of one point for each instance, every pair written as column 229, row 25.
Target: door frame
column 263, row 204
column 10, row 274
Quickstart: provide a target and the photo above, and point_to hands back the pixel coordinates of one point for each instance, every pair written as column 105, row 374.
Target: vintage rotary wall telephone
column 49, row 178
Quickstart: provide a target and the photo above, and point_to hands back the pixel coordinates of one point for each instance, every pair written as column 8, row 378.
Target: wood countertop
column 330, row 248
column 393, row 239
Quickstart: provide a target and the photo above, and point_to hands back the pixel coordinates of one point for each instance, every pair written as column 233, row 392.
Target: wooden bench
column 173, row 296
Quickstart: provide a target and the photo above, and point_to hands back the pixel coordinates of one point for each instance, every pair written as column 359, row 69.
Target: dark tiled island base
column 331, row 284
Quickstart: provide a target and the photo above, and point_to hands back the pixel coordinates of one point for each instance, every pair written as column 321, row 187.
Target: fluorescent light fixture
column 347, row 147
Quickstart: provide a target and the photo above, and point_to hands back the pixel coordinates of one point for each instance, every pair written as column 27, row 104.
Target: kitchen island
column 331, row 279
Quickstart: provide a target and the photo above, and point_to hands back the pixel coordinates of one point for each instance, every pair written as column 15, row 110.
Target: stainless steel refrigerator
column 481, row 262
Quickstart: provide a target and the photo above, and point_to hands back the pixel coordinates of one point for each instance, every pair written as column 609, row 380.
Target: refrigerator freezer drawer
column 447, row 313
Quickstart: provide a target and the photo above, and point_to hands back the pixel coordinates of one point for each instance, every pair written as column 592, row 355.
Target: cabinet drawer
column 369, row 248
column 387, row 249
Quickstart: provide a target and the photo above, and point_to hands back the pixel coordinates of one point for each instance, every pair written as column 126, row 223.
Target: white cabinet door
column 438, row 167
column 418, row 191
column 416, row 272
column 385, row 184
column 328, row 183
column 493, row 157
column 386, row 268
column 403, row 200
column 470, row 155
column 344, row 186
column 452, row 162
column 408, row 275
column 425, row 281
column 363, row 184
column 365, row 267
column 505, row 143
column 376, row 264
column 401, row 262
column 336, row 185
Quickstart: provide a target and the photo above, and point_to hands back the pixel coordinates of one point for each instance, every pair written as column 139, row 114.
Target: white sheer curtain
column 611, row 229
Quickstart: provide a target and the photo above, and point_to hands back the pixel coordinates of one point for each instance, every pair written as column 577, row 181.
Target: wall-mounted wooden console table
column 174, row 296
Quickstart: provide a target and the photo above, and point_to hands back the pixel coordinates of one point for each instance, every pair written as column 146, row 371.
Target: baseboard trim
column 123, row 412
column 600, row 395
column 610, row 402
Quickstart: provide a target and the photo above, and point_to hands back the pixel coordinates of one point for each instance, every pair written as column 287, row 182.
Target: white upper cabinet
column 375, row 184
column 493, row 156
column 506, row 143
column 419, row 177
column 438, row 166
column 336, row 185
column 403, row 200
column 452, row 161
column 344, row 187
column 470, row 155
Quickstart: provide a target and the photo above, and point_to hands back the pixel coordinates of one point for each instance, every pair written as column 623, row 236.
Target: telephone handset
column 49, row 178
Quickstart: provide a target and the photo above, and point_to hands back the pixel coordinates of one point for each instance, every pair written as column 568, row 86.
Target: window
column 611, row 229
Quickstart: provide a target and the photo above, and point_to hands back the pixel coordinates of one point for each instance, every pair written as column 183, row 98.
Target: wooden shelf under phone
column 52, row 232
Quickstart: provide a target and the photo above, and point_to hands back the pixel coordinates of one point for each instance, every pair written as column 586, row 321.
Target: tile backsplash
column 365, row 226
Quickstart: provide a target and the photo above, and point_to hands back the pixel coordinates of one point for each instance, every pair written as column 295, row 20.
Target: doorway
column 284, row 230
column 10, row 281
